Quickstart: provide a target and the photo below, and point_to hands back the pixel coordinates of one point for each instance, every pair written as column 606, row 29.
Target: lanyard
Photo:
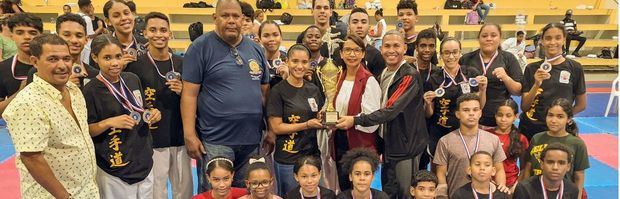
column 13, row 70
column 127, row 105
column 318, row 193
column 429, row 71
column 485, row 67
column 465, row 144
column 452, row 79
column 476, row 194
column 544, row 190
column 156, row 67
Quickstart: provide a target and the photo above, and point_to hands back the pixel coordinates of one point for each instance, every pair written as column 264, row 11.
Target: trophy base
column 331, row 117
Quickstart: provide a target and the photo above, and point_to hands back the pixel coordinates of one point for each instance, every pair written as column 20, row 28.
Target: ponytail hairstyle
column 499, row 29
column 379, row 12
column 515, row 149
column 220, row 162
column 567, row 106
column 355, row 155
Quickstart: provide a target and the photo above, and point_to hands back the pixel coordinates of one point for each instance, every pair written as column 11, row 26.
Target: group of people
column 126, row 119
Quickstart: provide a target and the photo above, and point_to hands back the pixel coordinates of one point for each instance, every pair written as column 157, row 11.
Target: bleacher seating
column 598, row 24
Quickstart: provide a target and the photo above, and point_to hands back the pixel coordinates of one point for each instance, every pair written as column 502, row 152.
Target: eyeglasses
column 448, row 53
column 238, row 59
column 354, row 51
column 256, row 184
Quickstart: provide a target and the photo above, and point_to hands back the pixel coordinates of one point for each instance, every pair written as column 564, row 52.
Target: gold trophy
column 329, row 74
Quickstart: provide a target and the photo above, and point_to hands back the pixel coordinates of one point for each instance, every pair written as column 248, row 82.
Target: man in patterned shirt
column 48, row 125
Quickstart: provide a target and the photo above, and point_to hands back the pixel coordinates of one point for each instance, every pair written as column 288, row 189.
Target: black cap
column 82, row 3
column 569, row 12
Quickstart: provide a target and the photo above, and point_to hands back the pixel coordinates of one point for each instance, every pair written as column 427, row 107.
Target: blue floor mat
column 6, row 145
column 599, row 174
column 588, row 125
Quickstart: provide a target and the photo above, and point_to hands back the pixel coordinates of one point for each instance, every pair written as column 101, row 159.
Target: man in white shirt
column 516, row 46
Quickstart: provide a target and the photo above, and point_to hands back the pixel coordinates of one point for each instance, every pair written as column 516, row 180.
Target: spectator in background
column 259, row 17
column 87, row 10
column 379, row 30
column 66, row 9
column 247, row 26
column 573, row 34
column 479, row 6
column 7, row 45
column 140, row 24
column 516, row 46
column 11, row 7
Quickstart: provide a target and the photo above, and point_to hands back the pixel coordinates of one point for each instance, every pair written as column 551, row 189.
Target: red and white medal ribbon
column 156, row 67
column 429, row 71
column 486, row 67
column 123, row 95
column 13, row 70
column 544, row 190
column 476, row 194
column 465, row 144
column 553, row 58
column 129, row 46
column 452, row 79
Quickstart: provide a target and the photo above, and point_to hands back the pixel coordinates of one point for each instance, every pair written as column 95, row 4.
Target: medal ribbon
column 318, row 193
column 129, row 46
column 452, row 80
column 544, row 190
column 13, row 70
column 429, row 71
column 476, row 195
column 127, row 105
column 465, row 144
column 553, row 58
column 156, row 67
column 486, row 67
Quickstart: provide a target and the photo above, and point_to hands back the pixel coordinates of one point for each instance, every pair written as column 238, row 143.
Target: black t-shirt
column 496, row 89
column 531, row 188
column 295, row 194
column 168, row 132
column 131, row 160
column 445, row 106
column 295, row 105
column 275, row 78
column 373, row 60
column 567, row 81
column 426, row 75
column 465, row 192
column 9, row 85
column 92, row 74
column 375, row 194
column 96, row 25
column 410, row 48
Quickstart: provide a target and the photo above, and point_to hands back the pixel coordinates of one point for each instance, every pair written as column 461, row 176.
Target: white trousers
column 172, row 163
column 111, row 187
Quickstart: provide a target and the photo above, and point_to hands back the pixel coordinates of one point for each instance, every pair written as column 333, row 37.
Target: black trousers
column 571, row 37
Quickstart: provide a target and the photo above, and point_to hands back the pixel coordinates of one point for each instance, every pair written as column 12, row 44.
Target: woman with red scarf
column 358, row 92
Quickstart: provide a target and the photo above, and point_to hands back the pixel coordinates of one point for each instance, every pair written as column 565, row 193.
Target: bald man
column 225, row 82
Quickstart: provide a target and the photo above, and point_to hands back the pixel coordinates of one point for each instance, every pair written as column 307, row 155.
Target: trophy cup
column 329, row 74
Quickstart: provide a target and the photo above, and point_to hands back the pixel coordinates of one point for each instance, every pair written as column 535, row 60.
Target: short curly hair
column 359, row 154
